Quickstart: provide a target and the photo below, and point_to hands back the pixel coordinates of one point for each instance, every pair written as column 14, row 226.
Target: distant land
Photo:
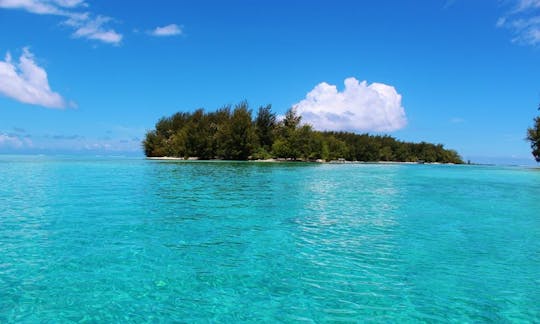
column 233, row 134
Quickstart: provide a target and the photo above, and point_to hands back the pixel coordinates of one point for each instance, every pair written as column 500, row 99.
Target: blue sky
column 92, row 76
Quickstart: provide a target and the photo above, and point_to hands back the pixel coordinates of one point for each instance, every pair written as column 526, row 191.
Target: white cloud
column 94, row 29
column 84, row 23
column 34, row 6
column 524, row 22
column 44, row 7
column 13, row 141
column 10, row 141
column 169, row 30
column 359, row 107
column 27, row 82
column 70, row 3
column 527, row 4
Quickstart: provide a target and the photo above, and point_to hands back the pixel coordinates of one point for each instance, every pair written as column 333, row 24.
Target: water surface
column 103, row 240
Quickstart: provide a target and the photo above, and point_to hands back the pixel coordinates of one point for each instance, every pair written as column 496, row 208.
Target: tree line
column 233, row 134
column 533, row 136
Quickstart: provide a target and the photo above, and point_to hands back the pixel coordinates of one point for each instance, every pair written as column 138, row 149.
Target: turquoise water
column 116, row 240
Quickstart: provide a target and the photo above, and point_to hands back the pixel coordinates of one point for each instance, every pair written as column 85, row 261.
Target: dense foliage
column 233, row 134
column 533, row 135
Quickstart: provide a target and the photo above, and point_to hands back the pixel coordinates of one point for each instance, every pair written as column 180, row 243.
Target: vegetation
column 533, row 135
column 232, row 134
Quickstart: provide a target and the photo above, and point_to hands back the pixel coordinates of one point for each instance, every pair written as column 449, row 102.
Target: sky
column 91, row 77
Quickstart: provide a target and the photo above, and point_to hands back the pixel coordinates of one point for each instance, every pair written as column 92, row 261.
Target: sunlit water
column 109, row 240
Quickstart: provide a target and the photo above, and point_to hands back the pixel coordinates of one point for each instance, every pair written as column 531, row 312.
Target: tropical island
column 233, row 134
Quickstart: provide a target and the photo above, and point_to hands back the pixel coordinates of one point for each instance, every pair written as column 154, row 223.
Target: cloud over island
column 360, row 107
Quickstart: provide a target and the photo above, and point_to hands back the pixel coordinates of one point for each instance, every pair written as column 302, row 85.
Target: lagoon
column 128, row 239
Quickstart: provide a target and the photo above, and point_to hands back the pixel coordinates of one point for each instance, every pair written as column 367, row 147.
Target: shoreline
column 319, row 161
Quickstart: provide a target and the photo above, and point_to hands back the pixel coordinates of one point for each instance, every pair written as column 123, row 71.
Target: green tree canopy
column 265, row 124
column 233, row 134
column 533, row 135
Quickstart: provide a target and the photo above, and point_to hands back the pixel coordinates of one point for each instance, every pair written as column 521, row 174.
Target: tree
column 533, row 135
column 265, row 123
column 336, row 147
column 222, row 131
column 242, row 133
column 292, row 119
column 153, row 145
column 287, row 145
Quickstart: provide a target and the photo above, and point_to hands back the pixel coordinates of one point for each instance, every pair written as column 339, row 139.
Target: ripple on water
column 109, row 240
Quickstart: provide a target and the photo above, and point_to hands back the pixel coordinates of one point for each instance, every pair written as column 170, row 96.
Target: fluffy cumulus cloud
column 27, row 82
column 84, row 23
column 169, row 30
column 360, row 107
column 524, row 22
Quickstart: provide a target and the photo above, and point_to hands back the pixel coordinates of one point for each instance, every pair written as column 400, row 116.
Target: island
column 233, row 134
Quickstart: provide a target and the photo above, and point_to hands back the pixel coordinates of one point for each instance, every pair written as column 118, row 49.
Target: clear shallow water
column 101, row 240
